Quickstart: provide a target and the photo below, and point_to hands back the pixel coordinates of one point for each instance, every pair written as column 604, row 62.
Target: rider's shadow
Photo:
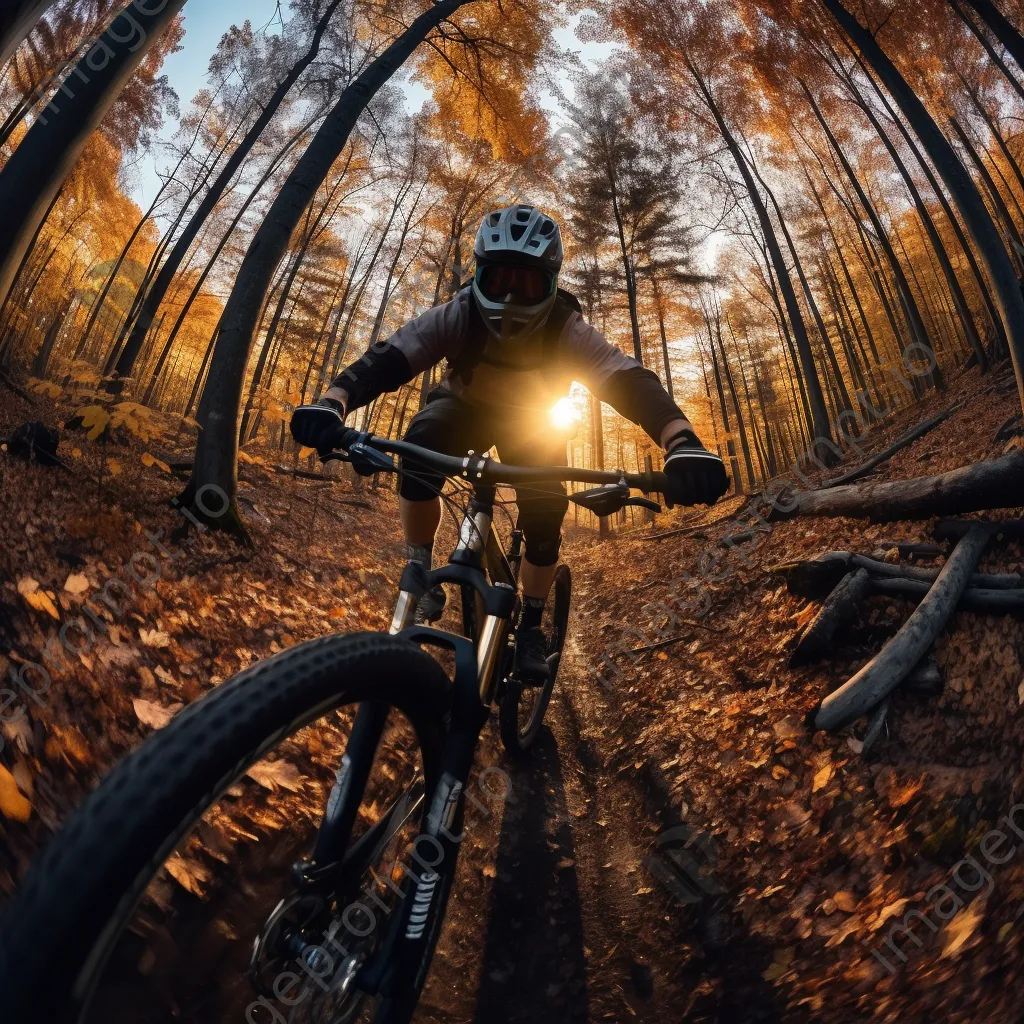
column 534, row 963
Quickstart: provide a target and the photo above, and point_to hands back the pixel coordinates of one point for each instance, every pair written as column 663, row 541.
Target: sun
column 564, row 414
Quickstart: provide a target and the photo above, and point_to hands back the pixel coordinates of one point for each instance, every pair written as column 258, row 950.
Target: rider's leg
column 541, row 511
column 420, row 520
column 445, row 425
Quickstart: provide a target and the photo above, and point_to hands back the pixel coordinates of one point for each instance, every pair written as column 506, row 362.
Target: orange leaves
column 40, row 600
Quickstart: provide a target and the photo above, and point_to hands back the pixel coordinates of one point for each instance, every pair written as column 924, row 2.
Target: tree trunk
column 993, row 56
column 50, row 148
column 155, row 294
column 215, row 467
column 820, row 422
column 963, row 190
column 1001, row 28
column 17, row 19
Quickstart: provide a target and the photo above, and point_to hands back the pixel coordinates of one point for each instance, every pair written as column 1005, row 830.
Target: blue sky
column 205, row 23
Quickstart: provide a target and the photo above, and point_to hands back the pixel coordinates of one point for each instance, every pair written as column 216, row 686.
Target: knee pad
column 418, row 482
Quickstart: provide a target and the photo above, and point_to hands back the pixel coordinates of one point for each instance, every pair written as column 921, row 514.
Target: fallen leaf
column 780, row 964
column 821, row 778
column 154, row 638
column 304, row 453
column 164, row 676
column 77, row 584
column 36, row 598
column 12, row 804
column 156, row 716
column 845, row 901
column 271, row 774
column 152, row 460
column 114, row 466
column 959, row 933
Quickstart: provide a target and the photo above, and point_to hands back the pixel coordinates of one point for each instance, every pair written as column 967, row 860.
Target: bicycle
column 72, row 914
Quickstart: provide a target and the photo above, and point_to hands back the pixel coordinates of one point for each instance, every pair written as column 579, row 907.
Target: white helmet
column 518, row 256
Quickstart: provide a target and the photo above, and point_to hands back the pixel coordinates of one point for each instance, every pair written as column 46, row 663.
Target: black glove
column 316, row 429
column 695, row 475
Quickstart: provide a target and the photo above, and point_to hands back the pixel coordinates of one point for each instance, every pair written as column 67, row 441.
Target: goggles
column 514, row 285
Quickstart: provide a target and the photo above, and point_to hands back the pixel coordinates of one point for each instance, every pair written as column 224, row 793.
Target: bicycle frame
column 479, row 668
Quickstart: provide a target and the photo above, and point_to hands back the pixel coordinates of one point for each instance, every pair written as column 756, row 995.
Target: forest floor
column 680, row 847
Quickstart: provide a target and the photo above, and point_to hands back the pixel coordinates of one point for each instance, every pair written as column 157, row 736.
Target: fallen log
column 973, row 599
column 817, row 638
column 1005, row 530
column 904, row 442
column 880, row 676
column 998, row 483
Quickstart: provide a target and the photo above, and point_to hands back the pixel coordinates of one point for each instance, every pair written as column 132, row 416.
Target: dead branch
column 676, row 639
column 817, row 637
column 973, row 599
column 1006, row 530
column 905, row 441
column 998, row 483
column 875, row 725
column 880, row 676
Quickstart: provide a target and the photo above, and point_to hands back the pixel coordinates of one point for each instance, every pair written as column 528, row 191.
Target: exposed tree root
column 876, row 680
column 906, row 440
column 1005, row 531
column 998, row 483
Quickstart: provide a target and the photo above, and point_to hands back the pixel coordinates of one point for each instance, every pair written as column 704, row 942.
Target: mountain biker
column 514, row 342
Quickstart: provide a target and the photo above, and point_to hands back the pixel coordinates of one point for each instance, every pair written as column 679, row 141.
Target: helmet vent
column 517, row 231
column 535, row 244
column 523, row 213
column 493, row 219
column 495, row 238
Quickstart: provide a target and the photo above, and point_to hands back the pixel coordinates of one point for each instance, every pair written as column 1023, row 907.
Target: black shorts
column 452, row 426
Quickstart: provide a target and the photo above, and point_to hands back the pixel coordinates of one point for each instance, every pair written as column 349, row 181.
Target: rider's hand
column 319, row 433
column 695, row 475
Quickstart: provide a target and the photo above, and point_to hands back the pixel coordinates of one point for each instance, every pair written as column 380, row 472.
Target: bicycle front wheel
column 100, row 901
column 522, row 708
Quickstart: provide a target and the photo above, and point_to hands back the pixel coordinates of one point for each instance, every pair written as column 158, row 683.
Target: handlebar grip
column 653, row 482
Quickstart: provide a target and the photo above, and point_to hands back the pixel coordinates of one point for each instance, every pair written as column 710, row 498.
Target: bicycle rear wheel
column 73, row 911
column 522, row 708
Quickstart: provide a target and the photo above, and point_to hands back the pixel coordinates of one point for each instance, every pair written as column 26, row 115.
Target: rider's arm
column 413, row 348
column 621, row 381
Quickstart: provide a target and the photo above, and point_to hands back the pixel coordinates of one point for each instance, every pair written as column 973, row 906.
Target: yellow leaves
column 845, row 901
column 114, row 467
column 154, row 638
column 152, row 460
column 274, row 774
column 960, row 932
column 77, row 584
column 822, row 778
column 806, row 615
column 40, row 600
column 305, row 453
column 12, row 804
column 45, row 387
column 95, row 418
column 156, row 716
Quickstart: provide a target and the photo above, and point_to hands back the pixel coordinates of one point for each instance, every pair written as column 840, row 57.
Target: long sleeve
column 421, row 343
column 617, row 379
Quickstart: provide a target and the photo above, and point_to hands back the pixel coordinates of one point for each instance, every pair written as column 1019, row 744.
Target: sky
column 206, row 22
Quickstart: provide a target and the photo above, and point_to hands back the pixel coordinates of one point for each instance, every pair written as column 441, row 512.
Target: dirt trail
column 579, row 918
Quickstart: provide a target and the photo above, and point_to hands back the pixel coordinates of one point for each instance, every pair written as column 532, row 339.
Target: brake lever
column 644, row 503
column 366, row 460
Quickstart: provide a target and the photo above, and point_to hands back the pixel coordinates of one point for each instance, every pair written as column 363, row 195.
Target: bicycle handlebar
column 480, row 469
